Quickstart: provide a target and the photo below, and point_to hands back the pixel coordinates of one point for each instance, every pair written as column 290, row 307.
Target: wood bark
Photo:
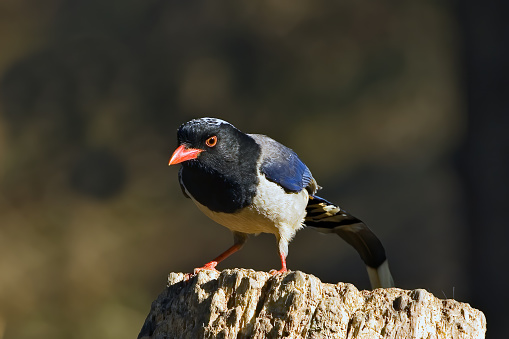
column 240, row 303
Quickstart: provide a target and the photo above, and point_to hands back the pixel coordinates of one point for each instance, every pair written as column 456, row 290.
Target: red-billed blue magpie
column 250, row 183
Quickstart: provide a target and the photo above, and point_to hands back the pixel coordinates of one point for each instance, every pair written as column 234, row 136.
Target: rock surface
column 240, row 303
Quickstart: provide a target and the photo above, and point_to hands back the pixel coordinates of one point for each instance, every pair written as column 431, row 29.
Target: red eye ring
column 211, row 142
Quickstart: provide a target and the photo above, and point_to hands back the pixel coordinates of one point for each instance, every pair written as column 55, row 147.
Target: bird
column 252, row 184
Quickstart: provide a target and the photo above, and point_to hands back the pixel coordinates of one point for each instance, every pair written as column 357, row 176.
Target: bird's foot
column 276, row 272
column 211, row 266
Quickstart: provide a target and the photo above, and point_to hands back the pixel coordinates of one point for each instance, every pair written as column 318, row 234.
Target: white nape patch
column 272, row 211
column 211, row 121
column 380, row 277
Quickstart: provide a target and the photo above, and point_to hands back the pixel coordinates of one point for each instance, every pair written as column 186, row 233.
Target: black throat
column 225, row 184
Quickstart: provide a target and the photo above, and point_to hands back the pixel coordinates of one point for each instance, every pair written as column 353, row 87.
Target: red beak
column 183, row 154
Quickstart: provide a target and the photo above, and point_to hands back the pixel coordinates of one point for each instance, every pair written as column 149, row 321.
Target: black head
column 218, row 163
column 208, row 141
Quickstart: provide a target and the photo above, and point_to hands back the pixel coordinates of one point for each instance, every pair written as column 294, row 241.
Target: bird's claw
column 211, row 266
column 276, row 272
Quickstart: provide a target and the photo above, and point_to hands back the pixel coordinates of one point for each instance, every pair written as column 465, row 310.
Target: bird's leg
column 238, row 241
column 212, row 264
column 283, row 265
column 283, row 252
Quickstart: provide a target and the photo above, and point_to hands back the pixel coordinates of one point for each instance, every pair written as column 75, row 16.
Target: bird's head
column 208, row 141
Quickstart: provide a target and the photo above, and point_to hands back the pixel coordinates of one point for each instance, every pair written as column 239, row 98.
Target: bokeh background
column 398, row 108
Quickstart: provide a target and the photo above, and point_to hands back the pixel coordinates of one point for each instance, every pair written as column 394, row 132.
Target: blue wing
column 282, row 166
column 289, row 172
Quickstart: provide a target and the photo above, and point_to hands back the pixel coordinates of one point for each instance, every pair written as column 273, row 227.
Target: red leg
column 212, row 265
column 239, row 240
column 283, row 265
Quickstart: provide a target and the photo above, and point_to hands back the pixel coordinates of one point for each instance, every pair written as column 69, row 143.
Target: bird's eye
column 211, row 142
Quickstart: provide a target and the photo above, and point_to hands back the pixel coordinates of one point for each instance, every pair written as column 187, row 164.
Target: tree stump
column 240, row 303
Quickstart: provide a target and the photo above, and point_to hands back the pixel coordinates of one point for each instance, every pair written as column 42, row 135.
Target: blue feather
column 287, row 170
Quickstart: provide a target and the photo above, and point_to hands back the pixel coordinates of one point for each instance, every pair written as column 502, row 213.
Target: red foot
column 283, row 266
column 276, row 272
column 211, row 266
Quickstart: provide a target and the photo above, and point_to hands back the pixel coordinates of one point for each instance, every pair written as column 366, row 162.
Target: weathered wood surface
column 240, row 303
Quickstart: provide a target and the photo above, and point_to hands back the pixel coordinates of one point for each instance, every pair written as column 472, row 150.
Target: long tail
column 329, row 218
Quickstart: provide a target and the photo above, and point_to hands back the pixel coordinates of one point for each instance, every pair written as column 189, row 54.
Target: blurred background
column 398, row 108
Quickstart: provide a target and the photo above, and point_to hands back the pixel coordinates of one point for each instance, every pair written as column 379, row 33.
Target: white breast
column 272, row 211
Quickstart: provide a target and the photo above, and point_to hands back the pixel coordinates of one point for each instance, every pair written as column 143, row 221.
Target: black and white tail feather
column 329, row 218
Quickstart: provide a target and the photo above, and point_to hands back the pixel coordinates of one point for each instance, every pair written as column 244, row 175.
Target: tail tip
column 380, row 277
